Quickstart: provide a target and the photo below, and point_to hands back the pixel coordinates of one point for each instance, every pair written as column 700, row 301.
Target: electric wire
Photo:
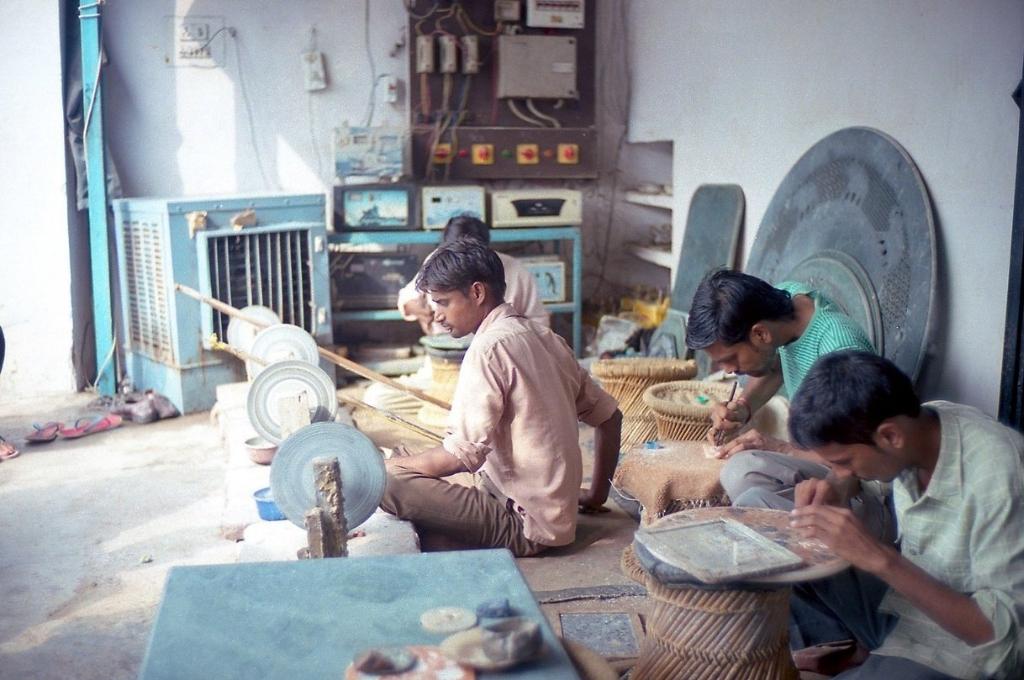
column 248, row 110
column 543, row 116
column 409, row 4
column 464, row 17
column 373, row 64
column 522, row 116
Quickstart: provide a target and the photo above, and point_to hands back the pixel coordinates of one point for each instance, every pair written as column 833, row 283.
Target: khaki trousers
column 469, row 516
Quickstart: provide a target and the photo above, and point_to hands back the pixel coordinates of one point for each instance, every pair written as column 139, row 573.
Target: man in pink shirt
column 520, row 292
column 513, row 422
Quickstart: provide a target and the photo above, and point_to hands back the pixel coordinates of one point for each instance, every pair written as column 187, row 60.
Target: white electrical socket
column 449, row 54
column 470, row 54
column 391, row 86
column 313, row 70
column 424, row 54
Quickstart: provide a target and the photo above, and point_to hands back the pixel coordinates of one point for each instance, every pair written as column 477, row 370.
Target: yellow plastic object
column 648, row 313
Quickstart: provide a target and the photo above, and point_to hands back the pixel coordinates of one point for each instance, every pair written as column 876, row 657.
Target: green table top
column 308, row 619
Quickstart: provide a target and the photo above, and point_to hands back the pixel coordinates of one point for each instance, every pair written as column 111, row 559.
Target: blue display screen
column 376, row 208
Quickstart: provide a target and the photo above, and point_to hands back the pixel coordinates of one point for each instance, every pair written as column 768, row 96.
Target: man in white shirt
column 948, row 602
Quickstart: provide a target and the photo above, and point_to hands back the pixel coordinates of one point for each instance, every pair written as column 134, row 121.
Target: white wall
column 744, row 88
column 35, row 284
column 186, row 131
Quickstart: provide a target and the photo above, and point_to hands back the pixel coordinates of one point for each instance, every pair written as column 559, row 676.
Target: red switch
column 527, row 154
column 568, row 154
column 483, row 154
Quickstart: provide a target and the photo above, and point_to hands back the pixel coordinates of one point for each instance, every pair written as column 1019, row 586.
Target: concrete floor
column 91, row 527
column 94, row 524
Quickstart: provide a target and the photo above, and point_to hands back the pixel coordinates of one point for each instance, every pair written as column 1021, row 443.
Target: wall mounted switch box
column 314, row 73
column 537, row 66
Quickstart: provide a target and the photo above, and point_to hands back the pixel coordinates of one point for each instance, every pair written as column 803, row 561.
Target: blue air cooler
column 278, row 260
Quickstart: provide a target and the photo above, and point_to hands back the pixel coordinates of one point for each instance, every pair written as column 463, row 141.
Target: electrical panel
column 537, row 67
column 554, row 13
column 502, row 90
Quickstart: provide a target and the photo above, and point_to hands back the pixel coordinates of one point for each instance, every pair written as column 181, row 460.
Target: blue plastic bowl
column 266, row 506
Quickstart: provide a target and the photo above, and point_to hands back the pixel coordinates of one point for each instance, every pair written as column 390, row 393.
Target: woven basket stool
column 626, row 380
column 682, row 409
column 706, row 634
column 737, row 629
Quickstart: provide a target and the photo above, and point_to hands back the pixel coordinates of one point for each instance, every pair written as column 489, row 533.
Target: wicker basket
column 626, row 380
column 682, row 409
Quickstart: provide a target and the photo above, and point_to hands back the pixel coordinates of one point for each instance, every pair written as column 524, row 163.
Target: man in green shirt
column 773, row 335
column 949, row 601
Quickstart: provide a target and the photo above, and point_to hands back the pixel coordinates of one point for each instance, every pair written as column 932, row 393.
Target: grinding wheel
column 282, row 342
column 285, row 379
column 363, row 477
column 241, row 333
column 857, row 192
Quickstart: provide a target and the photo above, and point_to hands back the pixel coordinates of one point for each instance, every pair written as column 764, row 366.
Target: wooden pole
column 333, row 357
column 395, row 418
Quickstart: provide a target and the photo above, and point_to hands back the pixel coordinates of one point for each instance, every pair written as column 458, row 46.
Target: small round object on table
column 241, row 333
column 467, row 648
column 283, row 342
column 514, row 639
column 363, row 477
column 384, row 661
column 284, row 379
column 431, row 664
column 447, row 619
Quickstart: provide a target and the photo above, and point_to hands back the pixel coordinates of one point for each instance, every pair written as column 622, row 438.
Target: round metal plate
column 283, row 342
column 286, row 379
column 241, row 333
column 858, row 192
column 840, row 278
column 363, row 477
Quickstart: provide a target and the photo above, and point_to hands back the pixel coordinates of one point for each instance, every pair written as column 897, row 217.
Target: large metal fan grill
column 853, row 220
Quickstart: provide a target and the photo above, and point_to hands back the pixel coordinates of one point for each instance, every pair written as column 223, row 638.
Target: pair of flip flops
column 47, row 432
